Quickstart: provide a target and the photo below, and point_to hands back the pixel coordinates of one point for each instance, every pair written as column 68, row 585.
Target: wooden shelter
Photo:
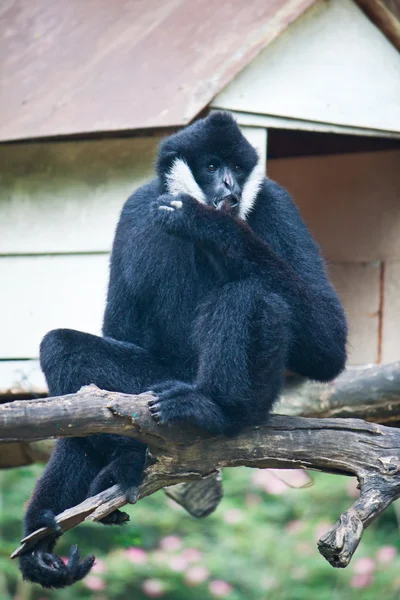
column 87, row 90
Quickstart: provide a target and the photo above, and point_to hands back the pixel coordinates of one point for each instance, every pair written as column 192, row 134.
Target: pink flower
column 322, row 528
column 266, row 480
column 99, row 566
column 361, row 580
column 220, row 588
column 364, row 565
column 258, row 477
column 295, row 526
column 170, row 543
column 178, row 563
column 136, row 555
column 305, row 548
column 252, row 499
column 153, row 588
column 294, row 478
column 192, row 555
column 233, row 516
column 386, row 554
column 196, row 575
column 94, row 583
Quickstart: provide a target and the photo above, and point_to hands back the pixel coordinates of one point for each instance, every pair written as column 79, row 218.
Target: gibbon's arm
column 319, row 330
column 231, row 241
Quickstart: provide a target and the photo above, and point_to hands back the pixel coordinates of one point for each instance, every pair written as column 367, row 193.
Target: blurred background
column 88, row 88
column 260, row 543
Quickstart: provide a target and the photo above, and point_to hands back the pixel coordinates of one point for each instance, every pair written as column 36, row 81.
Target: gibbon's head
column 212, row 161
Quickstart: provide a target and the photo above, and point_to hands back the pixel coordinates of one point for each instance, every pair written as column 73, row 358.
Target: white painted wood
column 60, row 197
column 333, row 65
column 39, row 293
column 18, row 377
column 257, row 136
column 251, row 120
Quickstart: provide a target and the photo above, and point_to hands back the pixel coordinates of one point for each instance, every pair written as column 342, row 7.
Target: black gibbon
column 216, row 287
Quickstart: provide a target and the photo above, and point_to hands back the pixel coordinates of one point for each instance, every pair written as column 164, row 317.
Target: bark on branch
column 368, row 451
column 371, row 393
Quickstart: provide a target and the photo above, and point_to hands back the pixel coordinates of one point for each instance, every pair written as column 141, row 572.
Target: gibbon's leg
column 242, row 338
column 64, row 483
column 84, row 466
column 71, row 359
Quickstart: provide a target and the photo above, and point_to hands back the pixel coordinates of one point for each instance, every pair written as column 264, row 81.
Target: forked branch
column 368, row 451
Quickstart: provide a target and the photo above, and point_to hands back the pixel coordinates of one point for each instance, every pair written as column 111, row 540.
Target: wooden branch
column 346, row 446
column 371, row 393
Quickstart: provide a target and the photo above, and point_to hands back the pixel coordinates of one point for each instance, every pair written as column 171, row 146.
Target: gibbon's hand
column 176, row 213
column 186, row 216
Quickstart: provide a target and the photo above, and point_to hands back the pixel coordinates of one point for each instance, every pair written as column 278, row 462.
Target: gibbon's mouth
column 228, row 203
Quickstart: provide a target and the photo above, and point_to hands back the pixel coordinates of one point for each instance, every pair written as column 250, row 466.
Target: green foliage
column 260, row 543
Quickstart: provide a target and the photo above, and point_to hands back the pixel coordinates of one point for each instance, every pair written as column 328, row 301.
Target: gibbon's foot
column 179, row 401
column 46, row 518
column 117, row 517
column 111, row 474
column 50, row 571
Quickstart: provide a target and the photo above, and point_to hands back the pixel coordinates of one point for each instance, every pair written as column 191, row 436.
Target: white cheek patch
column 251, row 188
column 180, row 180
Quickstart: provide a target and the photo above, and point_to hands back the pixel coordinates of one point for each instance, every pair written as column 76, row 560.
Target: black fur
column 203, row 308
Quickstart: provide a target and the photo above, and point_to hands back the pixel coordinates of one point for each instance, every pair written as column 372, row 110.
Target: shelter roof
column 75, row 68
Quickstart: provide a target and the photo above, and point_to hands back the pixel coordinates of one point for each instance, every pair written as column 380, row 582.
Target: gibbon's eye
column 238, row 169
column 212, row 168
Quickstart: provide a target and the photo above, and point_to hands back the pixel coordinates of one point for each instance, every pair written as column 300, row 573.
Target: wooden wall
column 351, row 202
column 59, row 205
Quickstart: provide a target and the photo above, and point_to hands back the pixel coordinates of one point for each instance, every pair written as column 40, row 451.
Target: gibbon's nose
column 228, row 180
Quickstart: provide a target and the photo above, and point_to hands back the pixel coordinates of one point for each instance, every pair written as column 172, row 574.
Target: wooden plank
column 332, row 65
column 275, row 122
column 46, row 292
column 391, row 313
column 257, row 136
column 349, row 201
column 358, row 287
column 66, row 196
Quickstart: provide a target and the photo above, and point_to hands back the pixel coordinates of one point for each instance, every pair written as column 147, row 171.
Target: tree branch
column 371, row 393
column 346, row 446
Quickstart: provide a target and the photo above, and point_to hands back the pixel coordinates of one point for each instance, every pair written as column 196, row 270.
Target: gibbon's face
column 221, row 182
column 213, row 162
